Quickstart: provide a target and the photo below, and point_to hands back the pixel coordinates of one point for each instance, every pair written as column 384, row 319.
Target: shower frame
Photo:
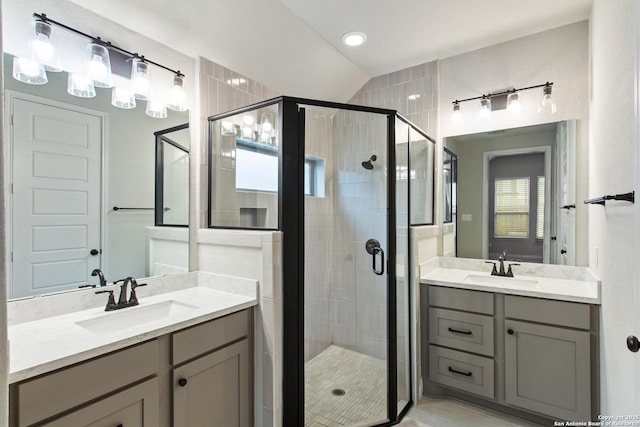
column 291, row 221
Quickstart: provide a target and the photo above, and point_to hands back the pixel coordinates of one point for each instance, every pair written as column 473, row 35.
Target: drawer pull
column 460, row 331
column 466, row 374
column 182, row 382
column 510, row 331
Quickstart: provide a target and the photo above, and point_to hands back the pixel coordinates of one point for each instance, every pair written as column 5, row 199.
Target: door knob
column 633, row 344
column 94, row 252
column 563, row 251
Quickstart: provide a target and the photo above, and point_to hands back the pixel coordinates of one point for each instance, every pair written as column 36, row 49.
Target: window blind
column 511, row 208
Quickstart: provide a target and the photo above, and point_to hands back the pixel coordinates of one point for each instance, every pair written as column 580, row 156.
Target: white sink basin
column 118, row 320
column 500, row 280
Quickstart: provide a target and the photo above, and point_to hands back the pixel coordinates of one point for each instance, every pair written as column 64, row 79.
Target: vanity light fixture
column 43, row 55
column 236, row 81
column 511, row 99
column 354, row 38
column 414, row 96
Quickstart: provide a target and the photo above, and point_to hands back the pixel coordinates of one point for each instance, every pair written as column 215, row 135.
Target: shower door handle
column 373, row 248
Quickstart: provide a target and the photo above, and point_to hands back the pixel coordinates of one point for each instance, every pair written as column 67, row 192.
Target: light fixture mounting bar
column 43, row 17
column 504, row 92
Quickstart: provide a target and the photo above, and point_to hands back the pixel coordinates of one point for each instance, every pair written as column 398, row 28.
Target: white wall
column 614, row 229
column 4, row 354
column 561, row 56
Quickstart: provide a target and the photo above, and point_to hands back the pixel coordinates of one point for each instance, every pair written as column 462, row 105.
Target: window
column 540, row 210
column 257, row 170
column 511, row 214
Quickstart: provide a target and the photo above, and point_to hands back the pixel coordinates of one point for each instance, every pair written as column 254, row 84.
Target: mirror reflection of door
column 516, row 206
column 55, row 166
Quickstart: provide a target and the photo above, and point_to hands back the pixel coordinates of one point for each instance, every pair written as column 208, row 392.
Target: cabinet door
column 547, row 370
column 137, row 406
column 214, row 390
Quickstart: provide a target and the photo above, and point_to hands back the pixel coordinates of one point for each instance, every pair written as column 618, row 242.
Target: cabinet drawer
column 137, row 406
column 461, row 299
column 466, row 372
column 558, row 313
column 54, row 393
column 200, row 339
column 464, row 331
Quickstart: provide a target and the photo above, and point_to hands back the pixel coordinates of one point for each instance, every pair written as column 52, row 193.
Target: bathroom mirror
column 57, row 176
column 515, row 191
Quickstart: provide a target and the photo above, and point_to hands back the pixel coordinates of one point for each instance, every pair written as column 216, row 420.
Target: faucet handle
column 134, row 298
column 494, row 271
column 111, row 302
column 509, row 272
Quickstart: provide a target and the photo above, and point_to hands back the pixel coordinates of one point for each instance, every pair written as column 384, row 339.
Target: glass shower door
column 347, row 254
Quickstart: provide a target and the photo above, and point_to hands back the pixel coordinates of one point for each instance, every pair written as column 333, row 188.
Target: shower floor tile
column 362, row 378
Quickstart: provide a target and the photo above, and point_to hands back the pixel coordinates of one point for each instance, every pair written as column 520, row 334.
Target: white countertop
column 47, row 344
column 583, row 291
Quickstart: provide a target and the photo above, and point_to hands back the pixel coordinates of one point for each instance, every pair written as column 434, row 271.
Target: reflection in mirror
column 450, row 205
column 515, row 191
column 172, row 176
column 71, row 162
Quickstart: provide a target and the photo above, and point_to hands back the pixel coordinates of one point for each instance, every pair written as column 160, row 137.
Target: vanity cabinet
column 521, row 354
column 548, row 357
column 213, row 387
column 210, row 366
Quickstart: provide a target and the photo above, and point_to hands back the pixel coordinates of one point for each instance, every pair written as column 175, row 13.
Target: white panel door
column 56, row 169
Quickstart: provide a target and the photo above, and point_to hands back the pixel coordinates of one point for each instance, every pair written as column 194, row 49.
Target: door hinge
column 11, row 256
column 12, row 120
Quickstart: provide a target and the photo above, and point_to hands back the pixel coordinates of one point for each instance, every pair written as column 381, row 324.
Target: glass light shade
column 513, row 104
column 177, row 97
column 80, row 86
column 141, row 79
column 156, row 108
column 456, row 116
column 247, row 133
column 548, row 103
column 29, row 71
column 43, row 47
column 228, row 128
column 267, row 123
column 99, row 65
column 485, row 109
column 248, row 120
column 122, row 98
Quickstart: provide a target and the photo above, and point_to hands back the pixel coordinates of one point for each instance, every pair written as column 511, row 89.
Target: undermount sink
column 500, row 280
column 115, row 321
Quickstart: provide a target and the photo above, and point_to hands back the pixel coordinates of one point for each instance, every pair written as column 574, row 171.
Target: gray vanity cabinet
column 535, row 358
column 213, row 386
column 548, row 363
column 210, row 366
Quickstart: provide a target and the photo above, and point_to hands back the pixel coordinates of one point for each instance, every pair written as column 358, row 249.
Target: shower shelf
column 627, row 197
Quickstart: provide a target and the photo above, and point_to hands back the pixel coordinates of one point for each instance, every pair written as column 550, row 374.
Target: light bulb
column 177, row 97
column 80, row 86
column 99, row 65
column 548, row 103
column 248, row 120
column 122, row 98
column 156, row 108
column 29, row 71
column 456, row 116
column 513, row 104
column 140, row 79
column 43, row 47
column 485, row 109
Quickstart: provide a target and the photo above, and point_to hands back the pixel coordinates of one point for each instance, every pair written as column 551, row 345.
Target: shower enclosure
column 335, row 179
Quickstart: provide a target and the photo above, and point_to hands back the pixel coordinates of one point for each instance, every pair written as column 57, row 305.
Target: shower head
column 368, row 164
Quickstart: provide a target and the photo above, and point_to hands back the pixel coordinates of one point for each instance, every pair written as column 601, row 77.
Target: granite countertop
column 43, row 345
column 576, row 284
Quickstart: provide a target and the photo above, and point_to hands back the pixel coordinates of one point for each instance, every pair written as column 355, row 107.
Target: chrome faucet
column 500, row 271
column 122, row 299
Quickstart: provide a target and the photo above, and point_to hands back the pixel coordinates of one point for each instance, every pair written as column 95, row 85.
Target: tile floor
column 361, row 377
column 447, row 412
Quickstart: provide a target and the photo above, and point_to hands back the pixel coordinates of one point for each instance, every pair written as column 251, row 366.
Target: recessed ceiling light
column 354, row 38
column 413, row 96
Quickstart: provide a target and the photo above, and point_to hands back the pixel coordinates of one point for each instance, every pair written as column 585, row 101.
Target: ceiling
column 294, row 46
